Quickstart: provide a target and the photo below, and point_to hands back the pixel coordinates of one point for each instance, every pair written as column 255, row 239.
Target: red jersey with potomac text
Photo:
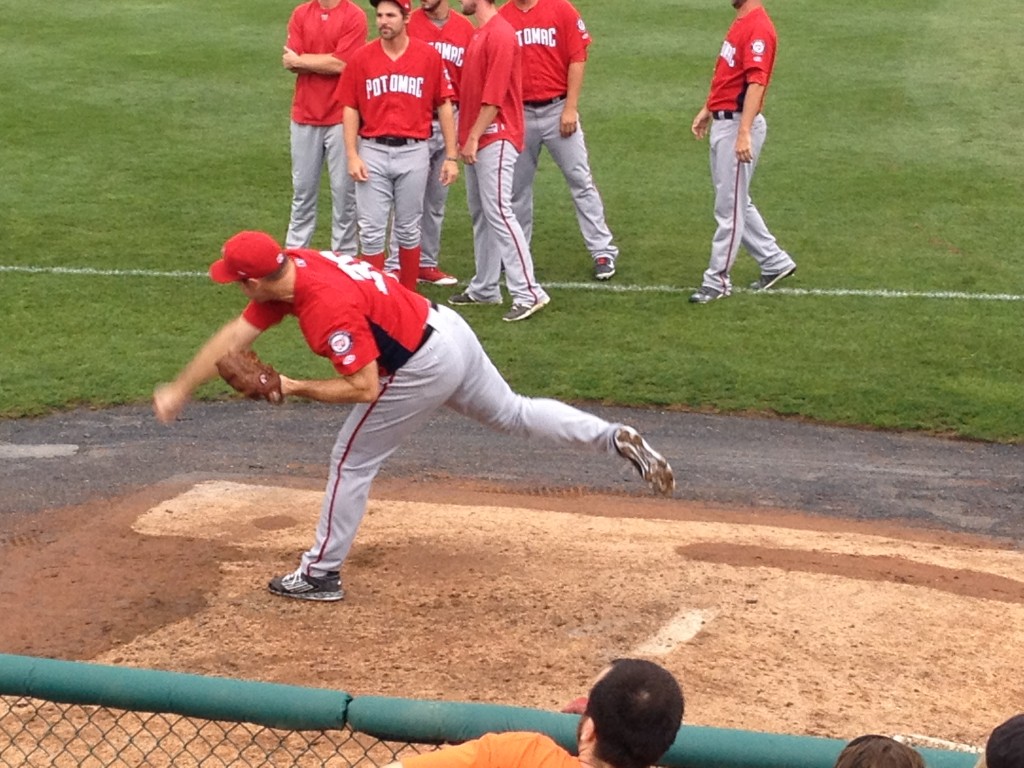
column 449, row 39
column 493, row 75
column 552, row 35
column 395, row 97
column 348, row 312
column 339, row 31
column 747, row 56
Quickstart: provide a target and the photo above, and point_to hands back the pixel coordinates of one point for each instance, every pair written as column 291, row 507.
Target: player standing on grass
column 738, row 131
column 435, row 22
column 399, row 358
column 322, row 34
column 490, row 140
column 390, row 91
column 554, row 40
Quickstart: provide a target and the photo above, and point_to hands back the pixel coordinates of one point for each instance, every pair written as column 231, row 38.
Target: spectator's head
column 873, row 751
column 633, row 714
column 1005, row 747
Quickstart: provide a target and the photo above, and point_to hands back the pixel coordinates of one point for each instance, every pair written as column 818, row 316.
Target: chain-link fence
column 58, row 713
column 34, row 732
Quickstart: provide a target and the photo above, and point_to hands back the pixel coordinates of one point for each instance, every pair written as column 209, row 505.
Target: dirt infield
column 775, row 620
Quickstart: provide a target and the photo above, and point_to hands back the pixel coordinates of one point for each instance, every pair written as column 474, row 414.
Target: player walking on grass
column 490, row 140
column 435, row 22
column 390, row 91
column 322, row 34
column 399, row 358
column 738, row 131
column 554, row 41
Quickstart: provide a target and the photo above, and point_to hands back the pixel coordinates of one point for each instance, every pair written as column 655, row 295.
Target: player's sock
column 409, row 266
column 374, row 259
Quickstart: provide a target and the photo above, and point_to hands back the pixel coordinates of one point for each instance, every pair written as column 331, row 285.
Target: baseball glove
column 245, row 372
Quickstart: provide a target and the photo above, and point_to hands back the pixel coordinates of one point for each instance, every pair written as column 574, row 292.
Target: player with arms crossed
column 399, row 358
column 322, row 34
column 490, row 140
column 554, row 40
column 738, row 131
column 389, row 91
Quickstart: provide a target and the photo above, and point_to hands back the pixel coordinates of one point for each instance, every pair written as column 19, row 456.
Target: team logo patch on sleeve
column 757, row 47
column 340, row 342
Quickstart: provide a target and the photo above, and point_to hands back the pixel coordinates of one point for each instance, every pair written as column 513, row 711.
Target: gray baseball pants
column 498, row 239
column 570, row 155
column 739, row 221
column 435, row 198
column 451, row 369
column 398, row 176
column 312, row 146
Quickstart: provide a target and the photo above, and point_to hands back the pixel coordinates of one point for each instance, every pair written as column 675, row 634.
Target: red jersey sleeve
column 574, row 32
column 267, row 314
column 445, row 88
column 759, row 55
column 354, row 36
column 345, row 91
column 294, row 39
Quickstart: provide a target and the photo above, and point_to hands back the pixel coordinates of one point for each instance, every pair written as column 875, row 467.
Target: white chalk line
column 680, row 629
column 590, row 286
column 44, row 451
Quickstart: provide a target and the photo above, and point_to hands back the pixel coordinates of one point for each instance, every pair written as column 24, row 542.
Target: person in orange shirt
column 632, row 716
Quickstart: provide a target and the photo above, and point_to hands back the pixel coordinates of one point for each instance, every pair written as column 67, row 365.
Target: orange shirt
column 498, row 750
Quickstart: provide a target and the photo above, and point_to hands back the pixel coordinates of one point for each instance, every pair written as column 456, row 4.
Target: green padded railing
column 402, row 721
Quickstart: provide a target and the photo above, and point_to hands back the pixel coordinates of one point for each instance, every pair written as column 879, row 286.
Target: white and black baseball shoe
column 652, row 466
column 765, row 282
column 604, row 267
column 705, row 295
column 305, row 587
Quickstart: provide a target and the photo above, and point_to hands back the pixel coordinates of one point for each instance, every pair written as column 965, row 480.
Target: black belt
column 544, row 102
column 428, row 331
column 393, row 141
column 725, row 114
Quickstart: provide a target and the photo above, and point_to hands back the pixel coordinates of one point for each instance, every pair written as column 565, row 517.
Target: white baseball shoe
column 652, row 466
column 305, row 587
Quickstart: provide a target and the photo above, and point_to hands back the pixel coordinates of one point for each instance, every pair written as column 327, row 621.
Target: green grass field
column 140, row 135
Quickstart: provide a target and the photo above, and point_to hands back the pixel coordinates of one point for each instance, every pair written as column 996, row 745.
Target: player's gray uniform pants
column 739, row 222
column 570, row 155
column 312, row 145
column 498, row 239
column 451, row 369
column 435, row 198
column 398, row 176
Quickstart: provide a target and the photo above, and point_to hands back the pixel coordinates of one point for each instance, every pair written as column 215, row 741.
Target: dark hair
column 874, row 751
column 636, row 708
column 1005, row 748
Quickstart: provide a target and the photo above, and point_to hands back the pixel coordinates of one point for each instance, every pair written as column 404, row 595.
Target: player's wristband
column 451, row 159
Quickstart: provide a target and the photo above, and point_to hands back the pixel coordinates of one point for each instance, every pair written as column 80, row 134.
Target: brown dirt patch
column 465, row 591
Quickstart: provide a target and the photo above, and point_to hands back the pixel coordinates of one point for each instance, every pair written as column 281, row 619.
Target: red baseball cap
column 247, row 255
column 405, row 5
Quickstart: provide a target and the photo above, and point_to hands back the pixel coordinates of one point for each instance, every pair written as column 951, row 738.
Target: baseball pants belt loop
column 725, row 114
column 428, row 329
column 394, row 141
column 544, row 102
